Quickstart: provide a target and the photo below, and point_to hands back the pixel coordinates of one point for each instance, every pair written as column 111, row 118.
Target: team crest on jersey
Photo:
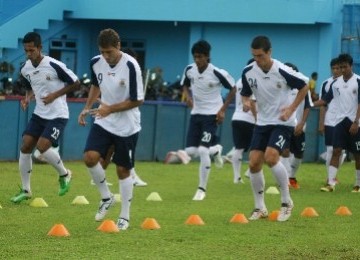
column 122, row 83
column 211, row 85
column 354, row 91
column 48, row 77
column 278, row 85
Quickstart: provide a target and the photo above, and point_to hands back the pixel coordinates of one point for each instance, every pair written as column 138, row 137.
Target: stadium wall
column 164, row 126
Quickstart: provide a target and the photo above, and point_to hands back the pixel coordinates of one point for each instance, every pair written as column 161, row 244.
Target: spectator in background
column 312, row 86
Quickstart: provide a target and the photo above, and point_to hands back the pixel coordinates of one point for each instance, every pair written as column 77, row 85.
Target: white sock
column 25, row 167
column 342, row 157
column 286, row 162
column 236, row 163
column 53, row 158
column 332, row 175
column 98, row 175
column 357, row 183
column 205, row 166
column 329, row 151
column 126, row 187
column 279, row 172
column 257, row 181
column 295, row 164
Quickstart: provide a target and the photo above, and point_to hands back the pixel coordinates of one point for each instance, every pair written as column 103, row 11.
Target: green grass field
column 24, row 228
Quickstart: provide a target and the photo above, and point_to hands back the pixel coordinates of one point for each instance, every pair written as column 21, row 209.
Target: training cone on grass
column 58, row 230
column 38, row 203
column 117, row 197
column 309, row 212
column 0, row 207
column 239, row 218
column 194, row 220
column 150, row 223
column 272, row 190
column 80, row 200
column 154, row 196
column 108, row 226
column 274, row 215
column 343, row 211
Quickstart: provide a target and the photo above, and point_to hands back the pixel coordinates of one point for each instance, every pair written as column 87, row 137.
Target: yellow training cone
column 80, row 200
column 154, row 196
column 272, row 190
column 39, row 203
column 117, row 197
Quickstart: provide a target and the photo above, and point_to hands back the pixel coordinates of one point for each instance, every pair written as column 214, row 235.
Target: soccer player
column 207, row 110
column 292, row 156
column 242, row 128
column 117, row 77
column 271, row 82
column 328, row 114
column 49, row 80
column 344, row 91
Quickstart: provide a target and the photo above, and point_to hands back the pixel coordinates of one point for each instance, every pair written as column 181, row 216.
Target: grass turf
column 24, row 228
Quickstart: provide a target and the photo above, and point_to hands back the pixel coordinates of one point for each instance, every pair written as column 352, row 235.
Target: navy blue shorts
column 202, row 131
column 297, row 144
column 50, row 129
column 242, row 132
column 343, row 139
column 275, row 136
column 100, row 140
column 329, row 134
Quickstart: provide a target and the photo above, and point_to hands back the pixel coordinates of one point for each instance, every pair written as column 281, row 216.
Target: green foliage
column 24, row 229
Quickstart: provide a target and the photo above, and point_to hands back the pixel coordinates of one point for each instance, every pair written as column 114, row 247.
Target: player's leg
column 297, row 148
column 29, row 140
column 257, row 180
column 355, row 149
column 124, row 158
column 278, row 138
column 97, row 145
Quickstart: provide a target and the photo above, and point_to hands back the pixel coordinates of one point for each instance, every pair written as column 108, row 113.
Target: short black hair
column 32, row 37
column 202, row 47
column 261, row 42
column 345, row 58
column 108, row 38
column 334, row 61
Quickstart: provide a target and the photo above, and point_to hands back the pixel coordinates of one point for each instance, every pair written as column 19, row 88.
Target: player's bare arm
column 94, row 94
column 67, row 89
column 221, row 113
column 354, row 128
column 188, row 97
column 300, row 126
column 288, row 111
column 246, row 103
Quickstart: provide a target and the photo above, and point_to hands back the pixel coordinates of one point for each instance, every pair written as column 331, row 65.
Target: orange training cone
column 274, row 215
column 194, row 220
column 239, row 218
column 150, row 223
column 59, row 230
column 108, row 226
column 343, row 211
column 309, row 212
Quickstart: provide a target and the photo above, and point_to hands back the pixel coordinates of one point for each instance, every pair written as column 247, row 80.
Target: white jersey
column 272, row 91
column 206, row 88
column 330, row 115
column 239, row 113
column 117, row 84
column 49, row 76
column 346, row 97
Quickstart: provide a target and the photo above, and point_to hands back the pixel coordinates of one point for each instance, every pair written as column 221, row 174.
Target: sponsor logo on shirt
column 111, row 74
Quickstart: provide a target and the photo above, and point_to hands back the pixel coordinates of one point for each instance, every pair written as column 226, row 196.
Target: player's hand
column 298, row 129
column 220, row 117
column 321, row 129
column 354, row 128
column 49, row 98
column 102, row 111
column 82, row 116
column 24, row 103
column 189, row 102
column 286, row 113
column 246, row 106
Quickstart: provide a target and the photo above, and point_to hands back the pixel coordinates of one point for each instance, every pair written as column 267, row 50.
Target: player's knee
column 203, row 151
column 91, row 159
